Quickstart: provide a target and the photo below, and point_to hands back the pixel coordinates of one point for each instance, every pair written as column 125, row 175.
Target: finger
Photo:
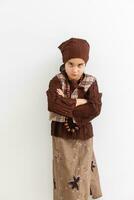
column 59, row 90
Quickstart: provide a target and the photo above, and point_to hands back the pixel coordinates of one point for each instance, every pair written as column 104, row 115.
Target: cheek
column 81, row 69
column 68, row 71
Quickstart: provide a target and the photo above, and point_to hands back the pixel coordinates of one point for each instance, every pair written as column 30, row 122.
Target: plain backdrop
column 30, row 32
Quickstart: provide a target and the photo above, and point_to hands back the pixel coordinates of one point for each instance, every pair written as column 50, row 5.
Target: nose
column 74, row 70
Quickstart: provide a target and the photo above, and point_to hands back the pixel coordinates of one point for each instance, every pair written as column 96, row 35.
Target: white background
column 30, row 32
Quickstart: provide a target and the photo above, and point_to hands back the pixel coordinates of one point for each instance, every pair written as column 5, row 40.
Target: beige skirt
column 75, row 171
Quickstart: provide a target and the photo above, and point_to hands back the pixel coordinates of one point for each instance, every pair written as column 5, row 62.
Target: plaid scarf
column 85, row 83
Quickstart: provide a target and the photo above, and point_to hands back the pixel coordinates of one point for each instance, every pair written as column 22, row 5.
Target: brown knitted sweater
column 66, row 106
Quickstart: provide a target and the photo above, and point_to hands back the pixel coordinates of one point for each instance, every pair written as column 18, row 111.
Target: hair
column 62, row 67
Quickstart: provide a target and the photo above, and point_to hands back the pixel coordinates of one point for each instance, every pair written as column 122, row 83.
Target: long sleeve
column 92, row 108
column 56, row 103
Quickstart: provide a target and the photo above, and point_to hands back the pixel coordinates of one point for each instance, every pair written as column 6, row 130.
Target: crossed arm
column 78, row 101
column 81, row 109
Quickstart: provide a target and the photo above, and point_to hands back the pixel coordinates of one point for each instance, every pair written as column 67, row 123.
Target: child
column 73, row 101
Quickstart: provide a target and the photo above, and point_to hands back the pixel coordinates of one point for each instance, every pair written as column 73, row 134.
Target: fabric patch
column 74, row 183
column 92, row 165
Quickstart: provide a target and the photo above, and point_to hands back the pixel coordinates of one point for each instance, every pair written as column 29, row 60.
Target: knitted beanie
column 74, row 48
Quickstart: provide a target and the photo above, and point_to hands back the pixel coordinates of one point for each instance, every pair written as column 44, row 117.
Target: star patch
column 92, row 165
column 74, row 183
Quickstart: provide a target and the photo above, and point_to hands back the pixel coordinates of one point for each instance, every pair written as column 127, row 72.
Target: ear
column 62, row 67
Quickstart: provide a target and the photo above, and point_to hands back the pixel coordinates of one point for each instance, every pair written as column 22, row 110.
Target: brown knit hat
column 74, row 48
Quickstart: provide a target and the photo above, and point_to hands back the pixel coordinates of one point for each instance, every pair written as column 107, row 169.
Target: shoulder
column 92, row 80
column 90, row 77
column 89, row 80
column 55, row 81
column 94, row 88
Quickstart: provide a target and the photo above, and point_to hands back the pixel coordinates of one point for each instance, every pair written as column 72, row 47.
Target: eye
column 70, row 64
column 80, row 65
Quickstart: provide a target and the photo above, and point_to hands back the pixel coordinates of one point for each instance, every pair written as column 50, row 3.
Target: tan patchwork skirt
column 75, row 172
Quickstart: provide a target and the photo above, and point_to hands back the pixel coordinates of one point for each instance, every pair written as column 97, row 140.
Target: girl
column 74, row 101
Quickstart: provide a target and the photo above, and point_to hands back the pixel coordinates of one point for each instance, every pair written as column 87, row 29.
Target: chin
column 74, row 78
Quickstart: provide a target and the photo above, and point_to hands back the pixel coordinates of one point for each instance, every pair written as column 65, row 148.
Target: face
column 74, row 68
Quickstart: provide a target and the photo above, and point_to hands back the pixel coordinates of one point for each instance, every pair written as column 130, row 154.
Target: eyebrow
column 78, row 64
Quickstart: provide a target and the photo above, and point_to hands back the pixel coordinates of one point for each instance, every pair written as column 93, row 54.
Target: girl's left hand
column 60, row 92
